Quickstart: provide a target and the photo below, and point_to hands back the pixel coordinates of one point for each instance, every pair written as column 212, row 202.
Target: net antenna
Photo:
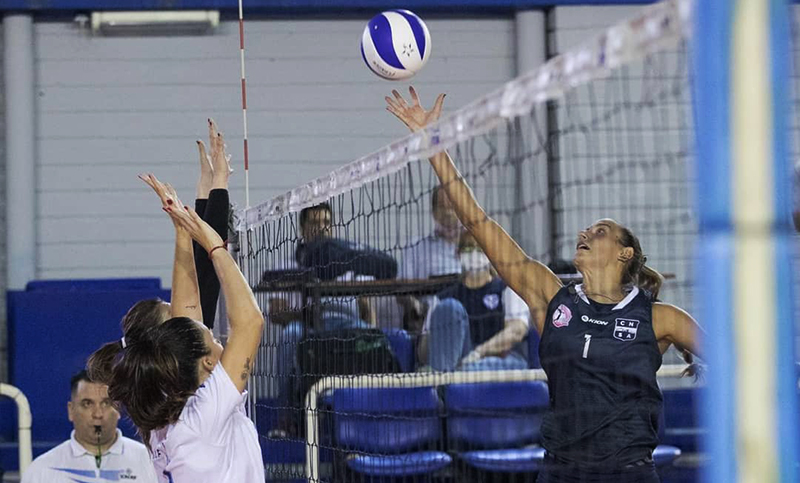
column 244, row 109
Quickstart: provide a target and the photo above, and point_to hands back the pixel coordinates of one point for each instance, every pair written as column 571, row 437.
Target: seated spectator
column 96, row 449
column 432, row 256
column 478, row 323
column 325, row 258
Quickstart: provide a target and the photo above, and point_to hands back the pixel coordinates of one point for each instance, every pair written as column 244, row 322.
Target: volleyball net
column 365, row 369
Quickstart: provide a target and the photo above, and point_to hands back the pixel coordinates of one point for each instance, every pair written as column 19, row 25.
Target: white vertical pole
column 20, row 137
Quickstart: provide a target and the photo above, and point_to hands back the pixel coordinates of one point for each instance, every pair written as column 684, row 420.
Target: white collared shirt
column 126, row 461
column 431, row 256
column 213, row 440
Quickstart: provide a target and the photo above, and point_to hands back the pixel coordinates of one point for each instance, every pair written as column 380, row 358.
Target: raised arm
column 532, row 280
column 185, row 291
column 674, row 326
column 244, row 316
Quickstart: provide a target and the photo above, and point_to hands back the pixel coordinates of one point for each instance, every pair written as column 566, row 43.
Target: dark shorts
column 643, row 471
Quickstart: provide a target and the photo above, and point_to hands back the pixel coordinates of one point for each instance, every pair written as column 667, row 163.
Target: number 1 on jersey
column 588, row 338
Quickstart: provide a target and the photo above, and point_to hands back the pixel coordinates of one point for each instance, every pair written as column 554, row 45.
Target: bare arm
column 532, row 280
column 674, row 326
column 512, row 334
column 244, row 316
column 185, row 292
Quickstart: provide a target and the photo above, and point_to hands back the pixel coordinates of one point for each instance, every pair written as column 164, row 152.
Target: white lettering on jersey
column 590, row 320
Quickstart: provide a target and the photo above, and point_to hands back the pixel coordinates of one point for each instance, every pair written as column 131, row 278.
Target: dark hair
column 76, row 379
column 156, row 373
column 306, row 211
column 636, row 271
column 143, row 316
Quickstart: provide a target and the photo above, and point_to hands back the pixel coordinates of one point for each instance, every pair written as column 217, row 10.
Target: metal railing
column 24, row 420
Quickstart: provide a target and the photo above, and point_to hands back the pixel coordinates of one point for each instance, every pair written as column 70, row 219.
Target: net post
column 739, row 95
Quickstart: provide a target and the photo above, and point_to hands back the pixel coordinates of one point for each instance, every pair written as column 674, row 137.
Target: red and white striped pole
column 244, row 110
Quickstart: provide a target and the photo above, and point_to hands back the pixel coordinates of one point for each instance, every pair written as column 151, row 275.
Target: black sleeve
column 215, row 212
column 330, row 258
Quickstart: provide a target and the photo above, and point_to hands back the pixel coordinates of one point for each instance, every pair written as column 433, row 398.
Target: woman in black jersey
column 601, row 341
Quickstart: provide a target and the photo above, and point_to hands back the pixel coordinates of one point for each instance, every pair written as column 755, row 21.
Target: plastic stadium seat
column 680, row 426
column 665, row 455
column 533, row 350
column 389, row 431
column 522, row 460
column 493, row 425
column 403, row 347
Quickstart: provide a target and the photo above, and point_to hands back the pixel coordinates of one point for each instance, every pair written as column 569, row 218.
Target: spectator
column 96, row 449
column 478, row 323
column 432, row 256
column 326, row 258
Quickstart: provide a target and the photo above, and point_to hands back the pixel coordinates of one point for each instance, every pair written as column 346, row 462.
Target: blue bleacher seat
column 681, row 427
column 389, row 431
column 495, row 426
column 533, row 350
column 664, row 454
column 403, row 347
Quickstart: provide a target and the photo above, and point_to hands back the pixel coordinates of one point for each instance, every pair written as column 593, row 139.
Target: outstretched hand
column 414, row 116
column 166, row 193
column 183, row 217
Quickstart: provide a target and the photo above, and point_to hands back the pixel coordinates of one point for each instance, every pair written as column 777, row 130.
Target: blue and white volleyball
column 396, row 44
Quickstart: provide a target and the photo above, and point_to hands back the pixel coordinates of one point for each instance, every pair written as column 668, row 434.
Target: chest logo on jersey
column 625, row 329
column 562, row 316
column 590, row 320
column 491, row 301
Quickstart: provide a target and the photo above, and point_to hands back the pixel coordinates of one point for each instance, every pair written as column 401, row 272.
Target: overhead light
column 179, row 22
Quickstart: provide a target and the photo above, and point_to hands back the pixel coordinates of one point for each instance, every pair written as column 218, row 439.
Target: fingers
column 437, row 106
column 393, row 103
column 414, row 96
column 400, row 101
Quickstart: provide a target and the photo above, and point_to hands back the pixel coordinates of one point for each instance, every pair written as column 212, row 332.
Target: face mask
column 474, row 261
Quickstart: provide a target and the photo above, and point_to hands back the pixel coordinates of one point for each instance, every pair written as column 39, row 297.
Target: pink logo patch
column 562, row 316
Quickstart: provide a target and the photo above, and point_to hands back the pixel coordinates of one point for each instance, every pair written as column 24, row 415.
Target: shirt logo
column 562, row 316
column 590, row 320
column 491, row 301
column 625, row 329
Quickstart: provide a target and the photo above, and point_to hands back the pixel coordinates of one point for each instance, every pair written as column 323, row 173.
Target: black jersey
column 601, row 362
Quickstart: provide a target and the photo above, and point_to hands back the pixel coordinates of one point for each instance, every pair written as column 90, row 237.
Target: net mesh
column 603, row 131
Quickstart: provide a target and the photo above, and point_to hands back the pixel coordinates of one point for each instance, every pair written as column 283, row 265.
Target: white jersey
column 126, row 460
column 213, row 440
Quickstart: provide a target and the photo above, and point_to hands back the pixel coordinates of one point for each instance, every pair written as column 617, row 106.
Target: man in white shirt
column 432, row 256
column 96, row 451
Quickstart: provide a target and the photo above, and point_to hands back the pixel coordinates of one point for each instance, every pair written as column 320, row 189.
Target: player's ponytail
column 650, row 280
column 143, row 316
column 636, row 271
column 154, row 374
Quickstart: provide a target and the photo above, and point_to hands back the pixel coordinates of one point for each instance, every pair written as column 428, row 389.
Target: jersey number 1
column 588, row 338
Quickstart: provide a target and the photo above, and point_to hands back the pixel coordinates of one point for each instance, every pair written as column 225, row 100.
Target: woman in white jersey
column 184, row 392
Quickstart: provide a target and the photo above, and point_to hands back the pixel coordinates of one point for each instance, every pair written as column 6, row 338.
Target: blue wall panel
column 53, row 328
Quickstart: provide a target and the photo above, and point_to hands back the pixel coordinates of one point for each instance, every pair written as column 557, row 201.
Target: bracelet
column 211, row 252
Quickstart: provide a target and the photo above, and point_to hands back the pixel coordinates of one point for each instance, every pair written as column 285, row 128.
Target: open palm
column 414, row 115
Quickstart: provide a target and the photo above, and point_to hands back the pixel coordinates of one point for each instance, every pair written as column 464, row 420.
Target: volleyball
column 396, row 44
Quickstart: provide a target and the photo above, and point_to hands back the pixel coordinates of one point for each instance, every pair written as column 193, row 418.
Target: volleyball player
column 195, row 287
column 601, row 341
column 183, row 391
